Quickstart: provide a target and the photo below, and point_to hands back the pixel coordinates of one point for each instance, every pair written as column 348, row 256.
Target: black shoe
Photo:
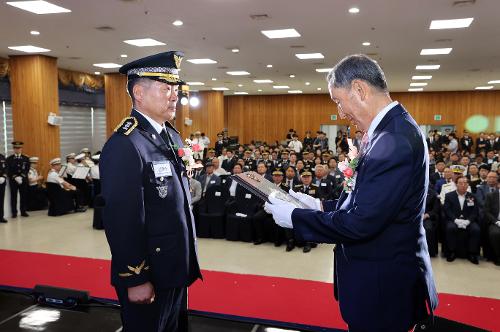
column 3, row 220
column 257, row 242
column 80, row 209
column 314, row 245
column 277, row 244
column 24, row 214
column 473, row 259
column 14, row 215
column 497, row 262
column 306, row 249
column 451, row 257
column 290, row 246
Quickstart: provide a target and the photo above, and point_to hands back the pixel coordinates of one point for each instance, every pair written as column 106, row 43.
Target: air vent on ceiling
column 463, row 3
column 432, row 60
column 105, row 28
column 297, row 46
column 444, row 40
column 259, row 17
column 222, row 67
column 372, row 54
column 74, row 57
column 475, row 69
column 227, row 82
column 318, row 63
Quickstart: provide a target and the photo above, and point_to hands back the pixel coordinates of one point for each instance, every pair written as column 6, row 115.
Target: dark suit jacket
column 491, row 207
column 452, row 210
column 147, row 215
column 481, row 192
column 214, row 180
column 383, row 275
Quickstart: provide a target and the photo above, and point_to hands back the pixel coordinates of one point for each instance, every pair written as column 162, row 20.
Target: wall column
column 34, row 93
column 118, row 103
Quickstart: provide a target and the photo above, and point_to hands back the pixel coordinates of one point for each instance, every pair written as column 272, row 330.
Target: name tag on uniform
column 470, row 203
column 218, row 194
column 162, row 168
column 312, row 192
column 212, row 182
column 323, row 184
column 248, row 196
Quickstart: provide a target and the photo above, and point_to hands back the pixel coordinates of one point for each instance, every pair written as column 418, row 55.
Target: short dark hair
column 357, row 66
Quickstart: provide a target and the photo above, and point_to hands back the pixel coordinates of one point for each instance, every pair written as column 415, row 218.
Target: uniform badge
column 127, row 126
column 162, row 191
column 178, row 60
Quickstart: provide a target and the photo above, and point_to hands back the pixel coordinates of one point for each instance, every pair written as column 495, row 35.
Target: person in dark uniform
column 308, row 188
column 220, row 144
column 18, row 166
column 3, row 183
column 147, row 214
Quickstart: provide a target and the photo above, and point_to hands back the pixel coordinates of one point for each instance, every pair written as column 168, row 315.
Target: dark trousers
column 431, row 234
column 23, row 192
column 2, row 197
column 494, row 235
column 473, row 237
column 160, row 316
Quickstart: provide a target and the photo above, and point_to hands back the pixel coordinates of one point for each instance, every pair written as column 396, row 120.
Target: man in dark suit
column 481, row 143
column 492, row 218
column 18, row 166
column 439, row 173
column 466, row 142
column 382, row 275
column 490, row 186
column 3, row 184
column 461, row 215
column 324, row 182
column 231, row 160
column 208, row 179
column 147, row 215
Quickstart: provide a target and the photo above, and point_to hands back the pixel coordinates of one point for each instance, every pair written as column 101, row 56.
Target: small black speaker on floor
column 63, row 297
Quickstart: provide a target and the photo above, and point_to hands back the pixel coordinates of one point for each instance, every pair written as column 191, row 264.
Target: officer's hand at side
column 142, row 294
column 311, row 202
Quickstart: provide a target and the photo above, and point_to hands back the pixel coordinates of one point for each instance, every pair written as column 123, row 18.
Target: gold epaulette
column 136, row 270
column 126, row 126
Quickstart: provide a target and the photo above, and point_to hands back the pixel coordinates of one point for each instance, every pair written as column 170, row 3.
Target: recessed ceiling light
column 262, row 81
column 308, row 83
column 269, row 66
column 323, row 70
column 35, row 33
column 366, row 44
column 39, row 7
column 97, row 73
column 214, row 79
column 201, row 61
column 435, row 51
column 195, row 83
column 451, row 24
column 421, row 77
column 489, row 87
column 240, row 93
column 107, row 65
column 305, row 56
column 282, row 33
column 418, row 84
column 235, row 50
column 292, row 76
column 260, row 90
column 294, row 91
column 29, row 49
column 144, row 42
column 237, row 73
column 428, row 67
column 415, row 89
column 353, row 10
column 281, row 87
column 319, row 89
column 240, row 85
column 494, row 82
column 222, row 88
column 123, row 55
column 177, row 23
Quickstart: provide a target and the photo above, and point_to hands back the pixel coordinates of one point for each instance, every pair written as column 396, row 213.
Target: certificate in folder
column 81, row 173
column 263, row 188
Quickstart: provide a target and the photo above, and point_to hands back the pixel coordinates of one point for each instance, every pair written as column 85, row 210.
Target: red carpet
column 270, row 298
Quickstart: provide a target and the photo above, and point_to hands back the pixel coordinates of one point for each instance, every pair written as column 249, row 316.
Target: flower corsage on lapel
column 186, row 153
column 348, row 168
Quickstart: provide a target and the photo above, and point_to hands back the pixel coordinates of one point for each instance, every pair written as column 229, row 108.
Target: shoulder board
column 126, row 126
column 314, row 185
column 298, row 186
column 168, row 124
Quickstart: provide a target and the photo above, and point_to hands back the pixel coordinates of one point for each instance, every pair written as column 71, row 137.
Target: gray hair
column 357, row 66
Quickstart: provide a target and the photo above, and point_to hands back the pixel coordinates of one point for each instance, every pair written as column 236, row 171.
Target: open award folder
column 263, row 188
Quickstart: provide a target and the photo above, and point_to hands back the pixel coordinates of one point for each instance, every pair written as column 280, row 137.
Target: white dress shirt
column 461, row 200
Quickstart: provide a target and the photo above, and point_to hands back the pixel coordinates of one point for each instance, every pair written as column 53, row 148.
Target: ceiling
column 396, row 29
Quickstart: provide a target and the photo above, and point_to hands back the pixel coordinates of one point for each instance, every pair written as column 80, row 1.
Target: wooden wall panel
column 34, row 93
column 182, row 113
column 268, row 118
column 118, row 103
column 208, row 117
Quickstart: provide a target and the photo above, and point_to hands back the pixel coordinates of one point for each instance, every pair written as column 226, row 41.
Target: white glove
column 19, row 179
column 311, row 202
column 498, row 223
column 2, row 180
column 465, row 222
column 281, row 211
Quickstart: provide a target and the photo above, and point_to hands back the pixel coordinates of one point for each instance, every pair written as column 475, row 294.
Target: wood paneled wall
column 208, row 117
column 118, row 103
column 180, row 115
column 268, row 118
column 34, row 93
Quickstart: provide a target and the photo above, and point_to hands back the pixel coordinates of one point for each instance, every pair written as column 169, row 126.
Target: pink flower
column 348, row 172
column 180, row 152
column 196, row 147
column 343, row 165
column 353, row 152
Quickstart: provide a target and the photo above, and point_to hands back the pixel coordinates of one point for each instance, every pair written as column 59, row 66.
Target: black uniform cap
column 163, row 67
